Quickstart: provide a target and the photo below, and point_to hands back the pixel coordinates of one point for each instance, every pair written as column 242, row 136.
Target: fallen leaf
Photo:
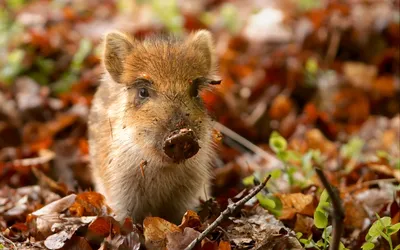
column 58, row 240
column 316, row 140
column 89, row 204
column 156, row 230
column 360, row 75
column 303, row 224
column 355, row 214
column 180, row 240
column 296, row 203
column 56, row 206
column 224, row 245
column 190, row 219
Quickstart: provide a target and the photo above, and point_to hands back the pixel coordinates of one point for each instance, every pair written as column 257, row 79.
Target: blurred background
column 323, row 74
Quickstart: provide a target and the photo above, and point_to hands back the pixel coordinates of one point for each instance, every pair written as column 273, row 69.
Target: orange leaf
column 296, row 203
column 304, row 224
column 190, row 219
column 156, row 230
column 224, row 245
column 89, row 204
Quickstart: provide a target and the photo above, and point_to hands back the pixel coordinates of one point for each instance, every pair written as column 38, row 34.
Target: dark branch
column 229, row 210
column 337, row 213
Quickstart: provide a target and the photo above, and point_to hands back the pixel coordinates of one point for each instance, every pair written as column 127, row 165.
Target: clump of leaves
column 321, row 216
column 381, row 228
column 267, row 200
column 288, row 157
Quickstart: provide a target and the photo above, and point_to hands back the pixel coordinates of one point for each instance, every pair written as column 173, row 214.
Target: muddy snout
column 181, row 144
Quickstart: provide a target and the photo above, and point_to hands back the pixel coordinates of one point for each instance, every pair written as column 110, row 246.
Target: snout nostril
column 181, row 144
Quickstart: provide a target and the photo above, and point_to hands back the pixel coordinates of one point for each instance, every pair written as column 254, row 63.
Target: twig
column 368, row 183
column 240, row 139
column 229, row 210
column 337, row 213
column 8, row 241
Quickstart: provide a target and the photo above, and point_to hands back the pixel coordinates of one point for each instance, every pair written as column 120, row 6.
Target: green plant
column 293, row 161
column 321, row 213
column 393, row 161
column 381, row 228
column 321, row 216
column 267, row 200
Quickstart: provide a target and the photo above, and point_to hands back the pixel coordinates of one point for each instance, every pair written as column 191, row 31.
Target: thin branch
column 243, row 141
column 229, row 210
column 337, row 213
column 368, row 183
column 8, row 241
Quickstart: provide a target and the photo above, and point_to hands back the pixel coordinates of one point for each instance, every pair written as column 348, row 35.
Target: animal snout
column 181, row 144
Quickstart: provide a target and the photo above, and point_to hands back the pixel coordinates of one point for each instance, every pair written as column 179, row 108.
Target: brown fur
column 123, row 132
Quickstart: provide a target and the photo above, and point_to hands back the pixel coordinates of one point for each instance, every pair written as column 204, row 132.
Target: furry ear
column 202, row 41
column 117, row 47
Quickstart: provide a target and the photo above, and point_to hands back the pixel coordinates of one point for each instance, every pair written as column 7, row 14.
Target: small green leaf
column 299, row 235
column 293, row 156
column 386, row 221
column 397, row 164
column 342, row 247
column 277, row 142
column 312, row 66
column 352, row 148
column 326, row 233
column 324, row 197
column 85, row 47
column 382, row 154
column 320, row 219
column 265, row 201
column 276, row 173
column 368, row 246
column 320, row 243
column 248, row 181
column 283, row 155
column 375, row 229
column 394, row 228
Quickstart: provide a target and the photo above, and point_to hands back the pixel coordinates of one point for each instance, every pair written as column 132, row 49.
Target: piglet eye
column 194, row 92
column 143, row 93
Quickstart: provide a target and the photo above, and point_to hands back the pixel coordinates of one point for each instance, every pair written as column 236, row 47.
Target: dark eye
column 143, row 93
column 194, row 91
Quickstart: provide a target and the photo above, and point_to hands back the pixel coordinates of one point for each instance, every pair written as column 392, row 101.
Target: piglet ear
column 117, row 47
column 202, row 42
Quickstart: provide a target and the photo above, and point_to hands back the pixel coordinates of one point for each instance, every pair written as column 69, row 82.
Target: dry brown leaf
column 58, row 240
column 359, row 74
column 224, row 245
column 296, row 203
column 56, row 206
column 89, row 204
column 190, row 219
column 316, row 140
column 280, row 107
column 101, row 227
column 156, row 230
column 355, row 213
column 304, row 224
column 77, row 243
column 384, row 86
column 180, row 240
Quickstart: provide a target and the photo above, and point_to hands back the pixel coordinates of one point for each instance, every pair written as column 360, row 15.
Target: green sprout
column 381, row 228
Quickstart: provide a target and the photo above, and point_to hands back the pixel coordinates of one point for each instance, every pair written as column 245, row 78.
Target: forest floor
column 310, row 85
